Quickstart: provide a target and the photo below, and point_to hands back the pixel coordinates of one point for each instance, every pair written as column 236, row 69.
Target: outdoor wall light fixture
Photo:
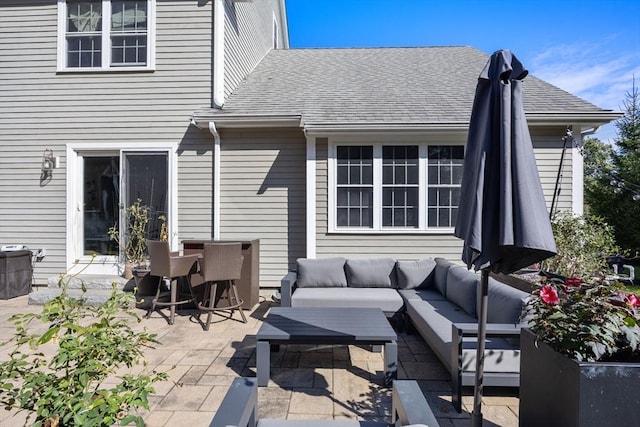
column 49, row 163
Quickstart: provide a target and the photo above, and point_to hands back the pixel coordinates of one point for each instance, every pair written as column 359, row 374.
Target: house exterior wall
column 40, row 108
column 263, row 195
column 249, row 33
column 547, row 148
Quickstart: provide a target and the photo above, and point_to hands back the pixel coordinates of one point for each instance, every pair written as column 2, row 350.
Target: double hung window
column 393, row 187
column 105, row 34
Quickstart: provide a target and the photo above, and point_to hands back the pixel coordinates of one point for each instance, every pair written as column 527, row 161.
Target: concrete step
column 98, row 288
column 90, row 281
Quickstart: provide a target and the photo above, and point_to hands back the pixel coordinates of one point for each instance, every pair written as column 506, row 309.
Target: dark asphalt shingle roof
column 379, row 85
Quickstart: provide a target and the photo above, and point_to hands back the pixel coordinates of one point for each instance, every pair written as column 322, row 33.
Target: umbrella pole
column 476, row 415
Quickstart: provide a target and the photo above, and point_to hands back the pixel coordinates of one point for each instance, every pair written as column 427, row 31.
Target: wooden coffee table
column 326, row 325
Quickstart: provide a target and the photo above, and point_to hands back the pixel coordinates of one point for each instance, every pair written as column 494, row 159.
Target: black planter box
column 558, row 391
column 16, row 273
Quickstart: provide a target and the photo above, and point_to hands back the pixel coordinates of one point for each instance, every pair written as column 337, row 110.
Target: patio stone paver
column 307, row 381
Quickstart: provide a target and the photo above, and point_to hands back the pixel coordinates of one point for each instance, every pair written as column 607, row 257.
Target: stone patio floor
column 307, row 381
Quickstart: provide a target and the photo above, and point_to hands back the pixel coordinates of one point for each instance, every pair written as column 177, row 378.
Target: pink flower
column 573, row 281
column 632, row 300
column 549, row 295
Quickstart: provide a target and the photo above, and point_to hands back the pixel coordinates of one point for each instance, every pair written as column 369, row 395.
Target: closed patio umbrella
column 502, row 217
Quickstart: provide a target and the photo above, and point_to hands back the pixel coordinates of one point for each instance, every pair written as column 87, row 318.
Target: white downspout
column 216, row 180
column 218, row 53
column 311, row 196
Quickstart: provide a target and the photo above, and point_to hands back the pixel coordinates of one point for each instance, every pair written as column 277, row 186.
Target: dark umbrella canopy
column 502, row 216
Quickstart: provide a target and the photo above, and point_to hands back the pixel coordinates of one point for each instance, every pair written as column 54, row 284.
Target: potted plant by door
column 133, row 242
column 580, row 356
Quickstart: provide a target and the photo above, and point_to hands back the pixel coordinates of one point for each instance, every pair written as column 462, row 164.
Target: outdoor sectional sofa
column 435, row 296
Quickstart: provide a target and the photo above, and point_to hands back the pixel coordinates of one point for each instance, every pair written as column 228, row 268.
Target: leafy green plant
column 583, row 243
column 134, row 243
column 59, row 375
column 587, row 322
column 580, row 312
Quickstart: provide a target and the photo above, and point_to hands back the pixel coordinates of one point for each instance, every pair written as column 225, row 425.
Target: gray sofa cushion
column 371, row 272
column 415, row 274
column 505, row 304
column 430, row 294
column 433, row 320
column 440, row 274
column 322, row 272
column 386, row 299
column 462, row 288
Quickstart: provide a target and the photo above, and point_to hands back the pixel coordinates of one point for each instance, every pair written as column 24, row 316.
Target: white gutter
column 216, row 180
column 218, row 53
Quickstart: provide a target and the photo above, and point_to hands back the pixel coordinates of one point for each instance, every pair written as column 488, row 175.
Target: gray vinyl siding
column 40, row 109
column 547, row 148
column 248, row 37
column 262, row 196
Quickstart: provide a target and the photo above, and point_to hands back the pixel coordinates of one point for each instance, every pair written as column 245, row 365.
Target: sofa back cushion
column 505, row 304
column 415, row 274
column 462, row 288
column 440, row 274
column 371, row 273
column 321, row 273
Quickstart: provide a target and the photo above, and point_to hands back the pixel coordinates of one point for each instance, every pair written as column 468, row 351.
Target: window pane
column 84, row 51
column 445, row 174
column 342, row 217
column 367, row 174
column 129, row 50
column 387, row 217
column 101, row 203
column 400, row 176
column 342, row 197
column 354, row 217
column 412, row 174
column 443, row 187
column 367, row 217
column 128, row 15
column 84, row 16
column 387, row 174
column 343, row 176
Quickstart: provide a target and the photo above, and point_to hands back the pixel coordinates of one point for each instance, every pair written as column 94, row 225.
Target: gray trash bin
column 16, row 273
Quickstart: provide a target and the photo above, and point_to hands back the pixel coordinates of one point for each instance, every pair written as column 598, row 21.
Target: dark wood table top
column 326, row 325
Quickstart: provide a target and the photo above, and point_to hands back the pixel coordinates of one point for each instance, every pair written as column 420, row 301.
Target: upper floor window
column 105, row 34
column 393, row 187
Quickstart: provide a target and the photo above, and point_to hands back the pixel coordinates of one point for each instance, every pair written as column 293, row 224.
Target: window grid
column 400, row 186
column 88, row 37
column 128, row 33
column 444, row 171
column 386, row 187
column 354, row 207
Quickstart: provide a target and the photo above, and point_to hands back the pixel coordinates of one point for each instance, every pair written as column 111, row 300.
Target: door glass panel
column 147, row 179
column 101, row 195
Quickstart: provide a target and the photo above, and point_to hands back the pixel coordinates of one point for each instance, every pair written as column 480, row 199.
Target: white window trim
column 76, row 261
column 106, row 42
column 423, row 143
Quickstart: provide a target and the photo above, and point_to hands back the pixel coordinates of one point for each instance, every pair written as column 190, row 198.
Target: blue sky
column 586, row 47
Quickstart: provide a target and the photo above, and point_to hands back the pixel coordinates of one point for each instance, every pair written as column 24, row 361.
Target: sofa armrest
column 287, row 285
column 493, row 329
column 238, row 408
column 409, row 405
column 461, row 330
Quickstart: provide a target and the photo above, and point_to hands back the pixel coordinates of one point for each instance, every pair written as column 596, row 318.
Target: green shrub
column 583, row 243
column 66, row 387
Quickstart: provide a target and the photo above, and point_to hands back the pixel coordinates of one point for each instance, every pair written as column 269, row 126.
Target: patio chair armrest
column 461, row 330
column 492, row 329
column 409, row 405
column 238, row 408
column 287, row 285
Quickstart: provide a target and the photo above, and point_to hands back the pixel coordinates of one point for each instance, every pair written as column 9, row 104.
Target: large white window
column 106, row 34
column 384, row 187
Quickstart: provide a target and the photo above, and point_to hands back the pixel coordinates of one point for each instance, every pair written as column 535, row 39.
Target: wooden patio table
column 325, row 325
